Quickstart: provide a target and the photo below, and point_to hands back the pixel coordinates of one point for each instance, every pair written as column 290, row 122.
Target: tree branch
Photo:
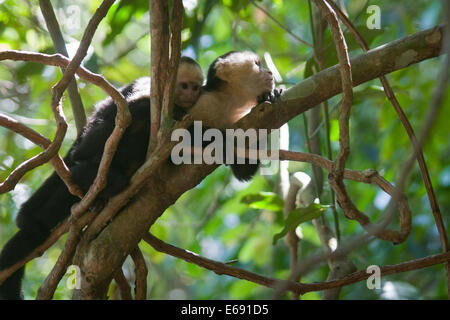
column 58, row 41
column 366, row 176
column 325, row 84
column 296, row 287
column 140, row 271
column 218, row 267
column 164, row 183
column 124, row 286
column 159, row 34
column 175, row 54
column 386, row 270
column 123, row 116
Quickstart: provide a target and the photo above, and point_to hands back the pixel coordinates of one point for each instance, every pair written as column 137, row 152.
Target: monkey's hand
column 270, row 96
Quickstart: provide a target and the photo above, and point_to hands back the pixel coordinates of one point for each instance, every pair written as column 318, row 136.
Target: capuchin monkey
column 236, row 82
column 52, row 202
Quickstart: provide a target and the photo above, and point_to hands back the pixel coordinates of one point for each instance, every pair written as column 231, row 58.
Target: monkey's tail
column 15, row 250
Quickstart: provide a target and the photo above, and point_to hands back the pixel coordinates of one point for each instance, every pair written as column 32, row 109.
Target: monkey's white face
column 243, row 70
column 244, row 82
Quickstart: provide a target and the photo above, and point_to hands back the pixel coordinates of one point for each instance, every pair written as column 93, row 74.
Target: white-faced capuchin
column 52, row 202
column 236, row 82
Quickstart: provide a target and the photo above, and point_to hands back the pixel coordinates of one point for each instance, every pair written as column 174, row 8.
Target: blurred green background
column 211, row 219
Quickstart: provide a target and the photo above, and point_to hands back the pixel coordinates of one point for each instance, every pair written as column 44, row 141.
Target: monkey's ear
column 223, row 69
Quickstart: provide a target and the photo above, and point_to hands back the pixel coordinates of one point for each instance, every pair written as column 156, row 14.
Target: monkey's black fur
column 52, row 202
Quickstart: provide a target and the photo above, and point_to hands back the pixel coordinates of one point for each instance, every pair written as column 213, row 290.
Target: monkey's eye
column 184, row 85
column 195, row 88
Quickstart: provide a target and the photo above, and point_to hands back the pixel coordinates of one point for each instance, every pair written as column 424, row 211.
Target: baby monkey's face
column 187, row 88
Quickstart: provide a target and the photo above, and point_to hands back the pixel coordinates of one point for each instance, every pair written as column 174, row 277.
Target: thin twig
column 320, row 58
column 140, row 271
column 217, row 267
column 384, row 271
column 48, row 288
column 281, row 25
column 296, row 287
column 366, row 176
column 58, row 42
column 123, row 285
column 175, row 53
column 57, row 162
column 347, row 86
column 159, row 33
column 122, row 120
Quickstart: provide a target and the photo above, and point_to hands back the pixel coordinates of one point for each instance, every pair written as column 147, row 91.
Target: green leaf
column 264, row 200
column 299, row 216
